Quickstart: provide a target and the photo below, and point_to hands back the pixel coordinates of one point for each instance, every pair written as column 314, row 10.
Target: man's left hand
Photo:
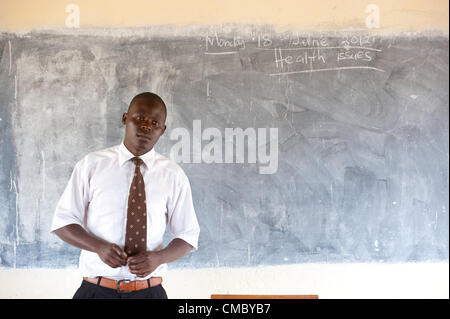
column 143, row 264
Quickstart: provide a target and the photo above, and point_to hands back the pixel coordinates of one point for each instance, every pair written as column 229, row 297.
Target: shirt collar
column 125, row 155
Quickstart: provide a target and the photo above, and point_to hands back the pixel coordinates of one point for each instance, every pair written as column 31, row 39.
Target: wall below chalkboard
column 335, row 281
column 357, row 170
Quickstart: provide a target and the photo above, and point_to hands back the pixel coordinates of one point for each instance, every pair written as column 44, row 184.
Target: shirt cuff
column 61, row 222
column 190, row 238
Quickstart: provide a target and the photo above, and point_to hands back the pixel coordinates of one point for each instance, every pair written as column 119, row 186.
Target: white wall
column 412, row 280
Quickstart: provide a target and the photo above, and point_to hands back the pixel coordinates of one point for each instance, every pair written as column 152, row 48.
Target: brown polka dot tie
column 136, row 233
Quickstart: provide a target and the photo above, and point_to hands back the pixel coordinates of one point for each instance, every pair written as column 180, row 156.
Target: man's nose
column 146, row 126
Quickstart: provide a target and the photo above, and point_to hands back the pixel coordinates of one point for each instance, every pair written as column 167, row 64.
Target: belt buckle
column 124, row 281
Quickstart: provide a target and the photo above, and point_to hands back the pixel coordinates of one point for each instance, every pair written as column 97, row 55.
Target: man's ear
column 164, row 129
column 124, row 118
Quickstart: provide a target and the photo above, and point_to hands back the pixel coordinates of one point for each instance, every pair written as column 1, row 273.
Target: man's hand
column 112, row 255
column 143, row 264
column 109, row 253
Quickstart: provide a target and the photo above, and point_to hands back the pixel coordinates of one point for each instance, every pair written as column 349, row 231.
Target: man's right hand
column 112, row 255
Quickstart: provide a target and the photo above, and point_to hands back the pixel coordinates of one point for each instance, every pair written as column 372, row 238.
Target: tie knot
column 137, row 161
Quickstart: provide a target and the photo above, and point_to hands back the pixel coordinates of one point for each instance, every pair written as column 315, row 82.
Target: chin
column 145, row 144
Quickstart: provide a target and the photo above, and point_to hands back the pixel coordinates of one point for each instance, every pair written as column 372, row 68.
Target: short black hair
column 150, row 97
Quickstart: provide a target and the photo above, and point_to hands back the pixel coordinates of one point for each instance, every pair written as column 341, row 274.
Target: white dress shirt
column 96, row 198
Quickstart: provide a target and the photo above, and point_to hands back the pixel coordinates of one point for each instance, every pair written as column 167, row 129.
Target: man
column 116, row 207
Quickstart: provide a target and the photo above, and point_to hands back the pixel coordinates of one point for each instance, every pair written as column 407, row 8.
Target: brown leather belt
column 124, row 285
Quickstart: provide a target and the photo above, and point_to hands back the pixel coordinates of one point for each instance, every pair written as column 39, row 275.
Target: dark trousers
column 88, row 290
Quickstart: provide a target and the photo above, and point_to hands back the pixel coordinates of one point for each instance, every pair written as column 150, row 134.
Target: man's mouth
column 143, row 136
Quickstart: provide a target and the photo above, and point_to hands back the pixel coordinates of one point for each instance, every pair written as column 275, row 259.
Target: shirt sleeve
column 72, row 205
column 182, row 220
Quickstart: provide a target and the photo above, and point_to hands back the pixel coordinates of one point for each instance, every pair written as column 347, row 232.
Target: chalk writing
column 220, row 42
column 354, row 55
column 293, row 53
column 264, row 40
column 308, row 41
column 330, row 69
column 304, row 58
column 358, row 40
